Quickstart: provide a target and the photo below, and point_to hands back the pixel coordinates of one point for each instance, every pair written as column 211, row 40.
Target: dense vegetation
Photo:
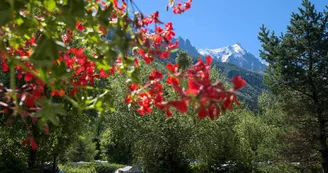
column 280, row 126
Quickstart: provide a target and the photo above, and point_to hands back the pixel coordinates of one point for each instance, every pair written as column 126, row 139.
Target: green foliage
column 253, row 89
column 277, row 168
column 163, row 144
column 83, row 150
column 114, row 149
column 183, row 60
column 298, row 75
column 91, row 168
column 11, row 163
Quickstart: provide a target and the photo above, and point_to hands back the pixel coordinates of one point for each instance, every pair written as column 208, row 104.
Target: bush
column 107, row 168
column 277, row 168
column 83, row 150
column 91, row 168
column 11, row 164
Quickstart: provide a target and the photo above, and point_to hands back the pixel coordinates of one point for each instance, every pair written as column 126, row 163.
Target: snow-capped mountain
column 237, row 55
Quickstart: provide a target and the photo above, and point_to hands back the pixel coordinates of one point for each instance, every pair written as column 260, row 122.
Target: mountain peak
column 234, row 54
column 238, row 48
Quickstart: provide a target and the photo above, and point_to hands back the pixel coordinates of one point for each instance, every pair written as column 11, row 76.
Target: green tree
column 84, row 149
column 299, row 62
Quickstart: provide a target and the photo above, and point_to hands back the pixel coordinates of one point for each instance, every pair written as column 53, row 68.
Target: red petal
column 173, row 46
column 128, row 99
column 228, row 102
column 172, row 80
column 217, row 112
column 209, row 60
column 136, row 62
column 34, row 144
column 79, row 26
column 29, row 101
column 5, row 67
column 168, row 113
column 165, row 54
column 155, row 75
column 28, row 77
column 194, row 87
column 102, row 73
column 19, row 75
column 202, row 113
column 180, row 105
column 58, row 93
column 238, row 82
column 78, row 52
column 170, row 67
column 73, row 92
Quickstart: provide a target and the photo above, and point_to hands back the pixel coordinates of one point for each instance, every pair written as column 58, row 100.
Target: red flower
column 128, row 99
column 155, row 75
column 136, row 62
column 73, row 92
column 172, row 81
column 238, row 82
column 168, row 113
column 165, row 54
column 202, row 113
column 209, row 60
column 159, row 30
column 158, row 40
column 102, row 73
column 5, row 67
column 34, row 144
column 180, row 105
column 59, row 93
column 188, row 5
column 172, row 68
column 169, row 35
column 79, row 26
column 28, row 77
column 211, row 109
column 169, row 26
column 29, row 101
column 30, row 141
column 173, row 46
column 102, row 30
column 133, row 87
column 194, row 87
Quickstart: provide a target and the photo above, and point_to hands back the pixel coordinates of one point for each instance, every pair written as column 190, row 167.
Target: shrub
column 91, row 168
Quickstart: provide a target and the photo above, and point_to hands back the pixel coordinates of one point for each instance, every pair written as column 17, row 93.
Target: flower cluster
column 208, row 98
column 71, row 69
column 180, row 7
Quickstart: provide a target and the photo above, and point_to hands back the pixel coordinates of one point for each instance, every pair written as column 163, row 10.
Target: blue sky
column 219, row 23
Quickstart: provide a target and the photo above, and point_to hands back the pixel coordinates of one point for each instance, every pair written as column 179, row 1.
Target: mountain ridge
column 235, row 54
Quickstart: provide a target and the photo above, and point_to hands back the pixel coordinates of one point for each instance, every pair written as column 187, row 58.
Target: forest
column 93, row 86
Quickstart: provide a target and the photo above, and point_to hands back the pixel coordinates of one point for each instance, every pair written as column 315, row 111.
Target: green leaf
column 135, row 75
column 108, row 102
column 61, row 71
column 49, row 110
column 174, row 50
column 45, row 53
column 98, row 105
column 5, row 13
column 102, row 64
column 50, row 4
column 110, row 56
